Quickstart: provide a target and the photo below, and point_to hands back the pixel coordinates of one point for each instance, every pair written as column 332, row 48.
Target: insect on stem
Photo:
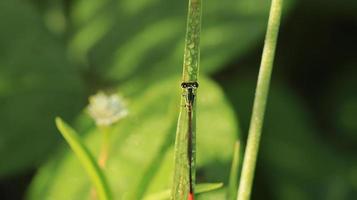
column 190, row 88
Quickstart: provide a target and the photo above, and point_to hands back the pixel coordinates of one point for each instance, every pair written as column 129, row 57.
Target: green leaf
column 207, row 187
column 214, row 195
column 185, row 142
column 36, row 84
column 146, row 139
column 200, row 188
column 122, row 39
column 86, row 158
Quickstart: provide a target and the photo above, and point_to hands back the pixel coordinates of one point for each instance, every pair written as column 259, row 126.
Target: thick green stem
column 260, row 100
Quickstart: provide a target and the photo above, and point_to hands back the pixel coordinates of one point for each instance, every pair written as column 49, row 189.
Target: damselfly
column 190, row 95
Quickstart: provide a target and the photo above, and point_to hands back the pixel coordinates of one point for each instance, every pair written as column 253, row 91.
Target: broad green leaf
column 36, row 84
column 141, row 158
column 86, row 158
column 200, row 188
column 122, row 39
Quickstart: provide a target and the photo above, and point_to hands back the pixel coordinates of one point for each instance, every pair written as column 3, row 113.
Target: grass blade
column 86, row 158
column 261, row 95
column 183, row 140
column 233, row 176
column 207, row 187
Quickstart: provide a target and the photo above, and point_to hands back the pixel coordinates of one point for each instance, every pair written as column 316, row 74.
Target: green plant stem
column 260, row 101
column 104, row 152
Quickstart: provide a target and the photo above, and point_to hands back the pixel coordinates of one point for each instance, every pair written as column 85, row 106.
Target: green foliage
column 297, row 160
column 146, row 139
column 86, row 158
column 121, row 40
column 42, row 77
column 53, row 53
column 36, row 84
column 344, row 96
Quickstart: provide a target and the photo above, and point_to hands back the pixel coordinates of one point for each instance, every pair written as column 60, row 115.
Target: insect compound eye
column 189, row 85
column 184, row 85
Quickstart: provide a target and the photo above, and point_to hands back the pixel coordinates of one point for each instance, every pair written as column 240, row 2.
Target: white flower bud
column 106, row 109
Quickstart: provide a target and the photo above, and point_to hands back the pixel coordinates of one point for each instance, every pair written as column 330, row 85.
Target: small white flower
column 106, row 109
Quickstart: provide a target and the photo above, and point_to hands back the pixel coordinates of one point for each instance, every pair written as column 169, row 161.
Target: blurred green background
column 54, row 54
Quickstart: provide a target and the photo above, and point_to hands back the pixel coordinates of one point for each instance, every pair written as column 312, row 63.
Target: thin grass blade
column 260, row 101
column 233, row 176
column 183, row 171
column 86, row 158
